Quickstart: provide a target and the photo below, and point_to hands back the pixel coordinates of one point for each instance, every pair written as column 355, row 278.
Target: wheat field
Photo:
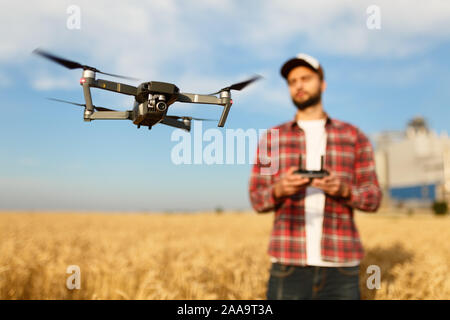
column 199, row 256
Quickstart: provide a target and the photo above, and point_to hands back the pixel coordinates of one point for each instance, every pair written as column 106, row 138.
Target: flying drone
column 152, row 99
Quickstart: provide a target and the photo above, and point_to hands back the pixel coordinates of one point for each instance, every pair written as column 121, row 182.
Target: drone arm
column 114, row 86
column 224, row 115
column 199, row 98
column 224, row 100
column 88, row 81
column 88, row 98
column 175, row 123
column 110, row 115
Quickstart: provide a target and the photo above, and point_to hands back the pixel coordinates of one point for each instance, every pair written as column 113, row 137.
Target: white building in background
column 413, row 166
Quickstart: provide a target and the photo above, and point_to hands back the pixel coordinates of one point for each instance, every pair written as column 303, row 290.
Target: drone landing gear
column 149, row 127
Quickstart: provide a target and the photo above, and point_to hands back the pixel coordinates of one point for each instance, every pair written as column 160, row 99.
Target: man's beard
column 313, row 100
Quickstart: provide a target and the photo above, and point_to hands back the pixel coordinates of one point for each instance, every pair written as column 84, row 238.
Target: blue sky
column 50, row 159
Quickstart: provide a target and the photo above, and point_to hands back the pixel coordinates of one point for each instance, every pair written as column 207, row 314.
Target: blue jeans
column 310, row 282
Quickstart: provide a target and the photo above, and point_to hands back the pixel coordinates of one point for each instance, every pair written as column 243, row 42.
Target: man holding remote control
column 325, row 170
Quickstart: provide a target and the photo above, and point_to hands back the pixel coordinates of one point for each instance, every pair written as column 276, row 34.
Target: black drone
column 152, row 99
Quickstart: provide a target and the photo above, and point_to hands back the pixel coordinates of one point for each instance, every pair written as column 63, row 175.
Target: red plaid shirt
column 350, row 155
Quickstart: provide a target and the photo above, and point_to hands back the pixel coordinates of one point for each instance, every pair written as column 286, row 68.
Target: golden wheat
column 199, row 256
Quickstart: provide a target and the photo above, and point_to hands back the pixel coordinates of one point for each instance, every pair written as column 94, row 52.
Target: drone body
column 152, row 99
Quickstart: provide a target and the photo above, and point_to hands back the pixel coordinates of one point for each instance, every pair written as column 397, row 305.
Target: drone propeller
column 74, row 65
column 240, row 85
column 189, row 118
column 80, row 104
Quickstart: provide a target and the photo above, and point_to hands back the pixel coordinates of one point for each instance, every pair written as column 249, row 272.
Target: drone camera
column 161, row 106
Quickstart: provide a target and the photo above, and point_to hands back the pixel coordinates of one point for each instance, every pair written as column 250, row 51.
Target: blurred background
column 386, row 65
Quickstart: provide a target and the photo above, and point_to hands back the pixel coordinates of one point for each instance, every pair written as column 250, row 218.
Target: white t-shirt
column 316, row 140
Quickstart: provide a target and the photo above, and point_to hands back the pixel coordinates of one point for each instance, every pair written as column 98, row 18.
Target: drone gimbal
column 152, row 99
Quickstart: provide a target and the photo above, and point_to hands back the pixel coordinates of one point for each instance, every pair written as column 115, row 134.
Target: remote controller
column 312, row 173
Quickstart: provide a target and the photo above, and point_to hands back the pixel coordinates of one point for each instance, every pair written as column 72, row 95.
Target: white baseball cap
column 302, row 59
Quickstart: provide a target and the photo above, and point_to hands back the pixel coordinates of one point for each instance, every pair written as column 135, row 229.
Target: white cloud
column 392, row 74
column 339, row 27
column 47, row 82
column 135, row 39
column 170, row 41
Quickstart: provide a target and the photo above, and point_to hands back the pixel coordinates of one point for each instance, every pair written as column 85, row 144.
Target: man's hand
column 290, row 184
column 332, row 185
